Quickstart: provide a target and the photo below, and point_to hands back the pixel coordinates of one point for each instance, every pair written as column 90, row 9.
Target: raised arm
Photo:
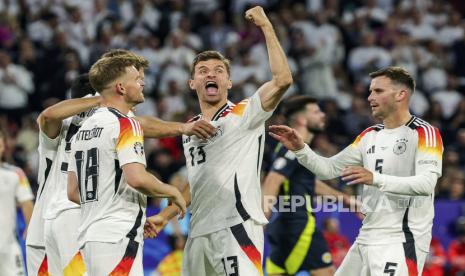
column 50, row 119
column 157, row 128
column 272, row 91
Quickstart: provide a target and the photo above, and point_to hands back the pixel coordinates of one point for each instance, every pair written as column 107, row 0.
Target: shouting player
column 226, row 227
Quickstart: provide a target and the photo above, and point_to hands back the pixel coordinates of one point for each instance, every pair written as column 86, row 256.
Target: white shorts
column 237, row 250
column 398, row 259
column 36, row 260
column 122, row 258
column 11, row 260
column 61, row 244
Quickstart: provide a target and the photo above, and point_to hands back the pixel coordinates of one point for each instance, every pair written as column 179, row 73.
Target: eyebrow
column 217, row 66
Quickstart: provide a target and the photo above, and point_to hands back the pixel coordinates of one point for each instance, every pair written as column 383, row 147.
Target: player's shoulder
column 371, row 129
column 13, row 170
column 418, row 124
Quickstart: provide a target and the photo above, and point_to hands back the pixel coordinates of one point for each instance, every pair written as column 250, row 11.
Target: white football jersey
column 47, row 153
column 394, row 213
column 14, row 189
column 110, row 208
column 58, row 180
column 224, row 171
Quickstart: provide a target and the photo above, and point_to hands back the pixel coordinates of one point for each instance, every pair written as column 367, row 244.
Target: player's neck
column 209, row 110
column 117, row 104
column 397, row 119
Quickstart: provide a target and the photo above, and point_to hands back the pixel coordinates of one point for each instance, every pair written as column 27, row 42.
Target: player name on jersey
column 89, row 134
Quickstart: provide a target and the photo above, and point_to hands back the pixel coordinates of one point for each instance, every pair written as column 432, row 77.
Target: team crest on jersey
column 219, row 132
column 400, row 146
column 139, row 148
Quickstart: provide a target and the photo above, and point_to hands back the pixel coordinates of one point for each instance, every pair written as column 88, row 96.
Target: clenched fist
column 257, row 16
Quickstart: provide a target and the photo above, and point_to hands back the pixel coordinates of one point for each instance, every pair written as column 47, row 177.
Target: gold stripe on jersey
column 240, row 107
column 130, row 133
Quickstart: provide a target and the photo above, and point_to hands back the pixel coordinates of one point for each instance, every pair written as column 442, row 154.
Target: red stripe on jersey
column 412, row 267
column 130, row 132
column 123, row 268
column 43, row 269
column 360, row 136
column 429, row 140
column 254, row 255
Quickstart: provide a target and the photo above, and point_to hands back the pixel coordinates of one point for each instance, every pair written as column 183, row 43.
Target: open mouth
column 211, row 87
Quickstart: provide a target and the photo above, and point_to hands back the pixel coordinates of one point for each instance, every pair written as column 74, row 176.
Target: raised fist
column 257, row 16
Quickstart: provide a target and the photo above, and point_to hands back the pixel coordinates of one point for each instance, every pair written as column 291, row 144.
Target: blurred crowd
column 332, row 45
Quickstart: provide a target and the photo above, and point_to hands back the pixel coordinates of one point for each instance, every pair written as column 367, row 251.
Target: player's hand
column 202, row 129
column 154, row 225
column 357, row 175
column 179, row 201
column 257, row 16
column 287, row 136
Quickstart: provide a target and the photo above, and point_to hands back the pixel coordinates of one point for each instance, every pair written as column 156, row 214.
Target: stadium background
column 331, row 45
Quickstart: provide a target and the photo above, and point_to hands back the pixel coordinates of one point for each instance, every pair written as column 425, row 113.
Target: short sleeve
column 23, row 188
column 251, row 111
column 130, row 142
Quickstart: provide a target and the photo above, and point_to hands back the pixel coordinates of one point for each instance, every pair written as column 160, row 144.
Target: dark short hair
column 81, row 87
column 296, row 104
column 207, row 55
column 397, row 75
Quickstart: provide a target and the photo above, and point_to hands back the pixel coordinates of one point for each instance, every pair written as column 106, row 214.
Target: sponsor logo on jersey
column 426, row 162
column 371, row 149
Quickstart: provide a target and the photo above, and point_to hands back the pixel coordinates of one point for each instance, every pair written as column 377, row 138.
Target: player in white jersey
column 226, row 227
column 399, row 162
column 62, row 217
column 14, row 190
column 107, row 173
column 60, row 122
column 52, row 134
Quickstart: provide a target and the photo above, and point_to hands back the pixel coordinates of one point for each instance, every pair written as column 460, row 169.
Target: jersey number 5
column 379, row 165
column 201, row 156
column 87, row 173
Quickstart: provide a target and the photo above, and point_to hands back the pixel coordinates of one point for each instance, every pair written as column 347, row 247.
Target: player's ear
column 402, row 95
column 120, row 88
column 191, row 84
column 229, row 84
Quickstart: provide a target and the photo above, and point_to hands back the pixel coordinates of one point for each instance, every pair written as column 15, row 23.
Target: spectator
column 456, row 251
column 436, row 259
column 16, row 84
column 337, row 243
